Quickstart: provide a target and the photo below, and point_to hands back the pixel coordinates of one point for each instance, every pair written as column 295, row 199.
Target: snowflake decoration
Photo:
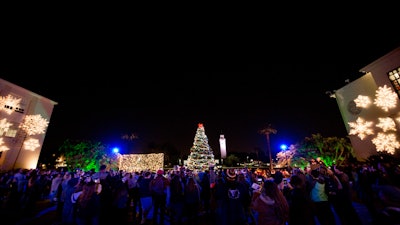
column 362, row 101
column 31, row 144
column 34, row 124
column 360, row 128
column 8, row 103
column 386, row 142
column 3, row 147
column 4, row 126
column 385, row 98
column 386, row 124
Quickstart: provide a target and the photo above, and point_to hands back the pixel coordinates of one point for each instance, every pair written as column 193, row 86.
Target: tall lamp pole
column 267, row 131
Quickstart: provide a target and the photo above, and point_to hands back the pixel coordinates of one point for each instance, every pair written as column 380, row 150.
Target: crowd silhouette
column 315, row 195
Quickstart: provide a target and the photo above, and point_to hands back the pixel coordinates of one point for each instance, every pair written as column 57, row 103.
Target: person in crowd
column 68, row 210
column 177, row 199
column 344, row 202
column 88, row 205
column 159, row 189
column 146, row 200
column 55, row 183
column 33, row 192
column 119, row 204
column 18, row 188
column 270, row 204
column 192, row 200
column 299, row 202
column 245, row 188
column 230, row 208
column 105, row 178
column 319, row 198
column 133, row 189
column 205, row 191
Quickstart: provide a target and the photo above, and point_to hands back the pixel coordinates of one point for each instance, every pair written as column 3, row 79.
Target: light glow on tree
column 385, row 98
column 9, row 103
column 285, row 155
column 201, row 156
column 141, row 162
column 361, row 128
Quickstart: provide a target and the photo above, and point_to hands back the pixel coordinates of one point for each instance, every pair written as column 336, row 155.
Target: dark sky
column 161, row 90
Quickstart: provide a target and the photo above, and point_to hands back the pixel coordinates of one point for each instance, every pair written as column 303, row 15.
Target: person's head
column 231, row 175
column 278, row 177
column 88, row 189
column 147, row 175
column 160, row 172
column 103, row 167
column 315, row 173
column 270, row 188
column 296, row 181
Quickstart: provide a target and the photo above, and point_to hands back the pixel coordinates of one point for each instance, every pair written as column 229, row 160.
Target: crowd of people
column 232, row 196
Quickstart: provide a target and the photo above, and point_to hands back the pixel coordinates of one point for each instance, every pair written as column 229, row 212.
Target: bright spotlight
column 116, row 150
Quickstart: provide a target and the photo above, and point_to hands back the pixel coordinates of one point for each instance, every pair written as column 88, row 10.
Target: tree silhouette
column 267, row 131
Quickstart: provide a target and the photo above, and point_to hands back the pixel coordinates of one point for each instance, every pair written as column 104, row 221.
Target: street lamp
column 284, row 148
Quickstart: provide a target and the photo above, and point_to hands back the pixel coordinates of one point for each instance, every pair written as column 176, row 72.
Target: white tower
column 222, row 144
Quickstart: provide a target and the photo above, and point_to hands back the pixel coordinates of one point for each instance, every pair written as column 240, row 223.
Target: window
column 394, row 77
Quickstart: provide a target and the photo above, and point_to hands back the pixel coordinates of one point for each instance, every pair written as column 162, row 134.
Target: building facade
column 370, row 107
column 24, row 118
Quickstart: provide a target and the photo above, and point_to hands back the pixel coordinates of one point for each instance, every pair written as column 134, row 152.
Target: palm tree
column 129, row 138
column 267, row 131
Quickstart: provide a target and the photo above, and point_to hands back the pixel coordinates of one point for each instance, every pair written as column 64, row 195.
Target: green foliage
column 86, row 155
column 231, row 160
column 331, row 150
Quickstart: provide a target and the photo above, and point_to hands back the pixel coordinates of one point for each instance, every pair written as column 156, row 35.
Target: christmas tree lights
column 201, row 156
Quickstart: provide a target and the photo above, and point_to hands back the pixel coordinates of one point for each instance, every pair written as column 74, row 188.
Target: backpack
column 157, row 186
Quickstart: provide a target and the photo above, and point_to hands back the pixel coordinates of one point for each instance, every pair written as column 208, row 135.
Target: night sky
column 160, row 92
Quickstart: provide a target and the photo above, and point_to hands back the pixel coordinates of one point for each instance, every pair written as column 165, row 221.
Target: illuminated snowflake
column 361, row 128
column 31, row 144
column 385, row 98
column 34, row 124
column 4, row 126
column 362, row 101
column 9, row 103
column 386, row 142
column 2, row 146
column 386, row 124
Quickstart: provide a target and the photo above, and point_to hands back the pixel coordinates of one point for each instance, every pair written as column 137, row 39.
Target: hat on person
column 231, row 174
column 160, row 172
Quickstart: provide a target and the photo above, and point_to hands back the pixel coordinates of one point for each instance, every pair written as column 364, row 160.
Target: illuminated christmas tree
column 201, row 156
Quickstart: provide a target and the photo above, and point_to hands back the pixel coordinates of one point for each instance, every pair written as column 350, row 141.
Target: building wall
column 32, row 104
column 367, row 85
